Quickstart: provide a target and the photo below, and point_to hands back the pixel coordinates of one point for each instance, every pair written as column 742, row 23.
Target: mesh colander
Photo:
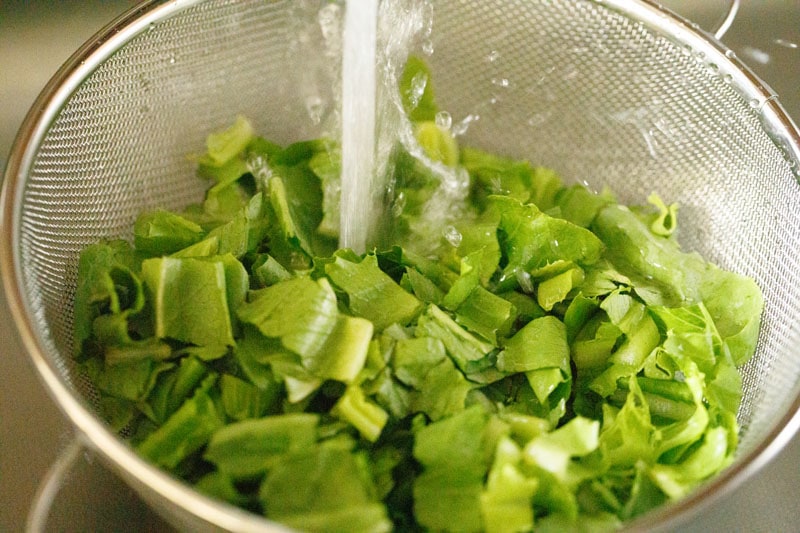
column 607, row 92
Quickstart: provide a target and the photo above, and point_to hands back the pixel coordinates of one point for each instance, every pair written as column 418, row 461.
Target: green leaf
column 552, row 451
column 542, row 343
column 416, row 90
column 327, row 166
column 437, row 143
column 531, row 239
column 224, row 145
column 248, row 448
column 173, row 388
column 189, row 299
column 507, row 501
column 555, row 290
column 368, row 418
column 580, row 206
column 243, row 400
column 371, row 293
column 454, row 456
column 345, row 350
column 185, row 432
column 324, row 488
column 628, row 436
column 682, row 278
column 107, row 283
column 162, row 232
column 486, row 314
column 301, row 312
column 469, row 353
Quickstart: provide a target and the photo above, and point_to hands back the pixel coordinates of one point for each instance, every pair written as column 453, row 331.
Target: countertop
column 37, row 36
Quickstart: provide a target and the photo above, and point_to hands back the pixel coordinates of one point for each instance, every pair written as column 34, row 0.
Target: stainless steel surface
column 32, row 430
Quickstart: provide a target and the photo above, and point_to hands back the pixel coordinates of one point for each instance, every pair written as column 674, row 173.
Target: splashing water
column 378, row 39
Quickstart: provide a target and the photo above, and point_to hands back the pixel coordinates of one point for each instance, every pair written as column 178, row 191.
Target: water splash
column 786, row 44
column 756, row 54
column 638, row 117
column 452, row 236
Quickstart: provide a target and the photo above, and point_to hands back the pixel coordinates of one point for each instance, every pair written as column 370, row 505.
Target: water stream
column 359, row 209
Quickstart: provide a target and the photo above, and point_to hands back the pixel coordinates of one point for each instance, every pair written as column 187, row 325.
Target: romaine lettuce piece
column 371, row 293
column 301, row 312
column 416, row 90
column 454, row 453
column 161, row 232
column 185, row 432
column 532, row 240
column 542, row 343
column 107, row 283
column 367, row 417
column 324, row 488
column 734, row 301
column 189, row 298
column 469, row 353
column 249, row 448
column 224, row 145
column 507, row 500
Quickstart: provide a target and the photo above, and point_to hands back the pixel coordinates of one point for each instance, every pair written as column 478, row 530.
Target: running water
column 359, row 211
column 378, row 38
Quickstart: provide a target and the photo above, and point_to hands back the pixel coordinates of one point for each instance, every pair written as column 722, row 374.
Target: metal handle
column 727, row 21
column 51, row 485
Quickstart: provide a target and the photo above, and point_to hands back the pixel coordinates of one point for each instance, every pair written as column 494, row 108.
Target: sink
column 36, row 36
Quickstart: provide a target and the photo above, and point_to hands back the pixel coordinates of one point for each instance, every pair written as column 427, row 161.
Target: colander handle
column 726, row 22
column 51, row 485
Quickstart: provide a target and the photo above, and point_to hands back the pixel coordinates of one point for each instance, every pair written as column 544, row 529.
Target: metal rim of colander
column 120, row 457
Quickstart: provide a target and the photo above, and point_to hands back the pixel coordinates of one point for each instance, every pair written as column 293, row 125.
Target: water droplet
column 259, row 167
column 329, row 18
column 538, row 119
column 315, row 107
column 756, row 54
column 151, row 26
column 399, row 204
column 462, row 126
column 713, row 67
column 444, row 120
column 524, row 280
column 493, row 56
column 453, row 236
column 727, row 78
column 172, row 59
column 501, row 82
column 417, row 88
column 730, row 54
column 427, row 47
column 786, row 44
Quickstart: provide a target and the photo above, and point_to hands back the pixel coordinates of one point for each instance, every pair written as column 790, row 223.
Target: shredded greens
column 561, row 365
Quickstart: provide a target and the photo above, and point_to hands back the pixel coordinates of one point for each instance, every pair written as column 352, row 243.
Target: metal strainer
column 607, row 92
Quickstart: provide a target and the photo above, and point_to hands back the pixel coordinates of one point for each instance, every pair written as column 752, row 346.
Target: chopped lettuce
column 556, row 363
